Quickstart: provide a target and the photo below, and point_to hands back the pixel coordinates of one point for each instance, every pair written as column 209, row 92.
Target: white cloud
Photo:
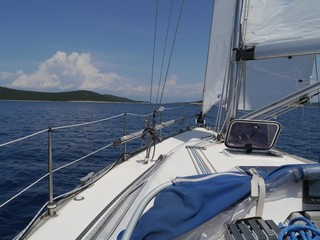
column 63, row 72
column 176, row 89
column 67, row 72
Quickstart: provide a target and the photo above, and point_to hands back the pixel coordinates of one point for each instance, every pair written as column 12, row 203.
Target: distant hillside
column 81, row 95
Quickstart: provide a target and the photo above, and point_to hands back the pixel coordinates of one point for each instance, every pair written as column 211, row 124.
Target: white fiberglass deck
column 180, row 153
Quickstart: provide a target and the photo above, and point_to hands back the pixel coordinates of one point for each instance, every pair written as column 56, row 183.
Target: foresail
column 219, row 52
column 271, row 79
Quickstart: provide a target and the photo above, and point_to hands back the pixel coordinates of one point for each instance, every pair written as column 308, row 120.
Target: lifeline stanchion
column 124, row 134
column 51, row 205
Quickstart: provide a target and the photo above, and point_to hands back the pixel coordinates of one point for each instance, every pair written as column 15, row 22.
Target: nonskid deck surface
column 189, row 153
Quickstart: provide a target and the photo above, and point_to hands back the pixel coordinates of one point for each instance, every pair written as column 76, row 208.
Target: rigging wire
column 87, row 123
column 260, row 70
column 318, row 103
column 317, row 76
column 154, row 49
column 25, row 137
column 22, row 191
column 233, row 98
column 164, row 51
column 308, row 112
column 170, row 57
column 244, row 85
column 70, row 163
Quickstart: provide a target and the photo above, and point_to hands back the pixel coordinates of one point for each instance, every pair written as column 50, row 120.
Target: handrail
column 139, row 210
column 123, row 140
column 81, row 158
column 22, row 138
column 87, row 123
column 22, row 191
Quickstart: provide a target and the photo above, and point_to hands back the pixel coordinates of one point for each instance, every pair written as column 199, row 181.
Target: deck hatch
column 252, row 134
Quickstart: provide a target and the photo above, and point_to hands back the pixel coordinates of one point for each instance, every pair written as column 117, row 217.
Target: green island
column 80, row 95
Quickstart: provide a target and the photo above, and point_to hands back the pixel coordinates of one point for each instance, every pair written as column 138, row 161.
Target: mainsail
column 274, row 21
column 279, row 36
column 270, row 79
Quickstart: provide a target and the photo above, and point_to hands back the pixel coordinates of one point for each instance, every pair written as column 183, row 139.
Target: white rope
column 54, row 199
column 139, row 115
column 70, row 126
column 30, row 223
column 55, row 170
column 79, row 159
column 139, row 210
column 19, row 193
column 22, row 138
column 45, row 130
column 68, row 164
column 87, row 123
column 257, row 69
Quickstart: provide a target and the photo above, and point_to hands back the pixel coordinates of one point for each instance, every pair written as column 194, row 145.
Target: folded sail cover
column 187, row 204
column 192, row 201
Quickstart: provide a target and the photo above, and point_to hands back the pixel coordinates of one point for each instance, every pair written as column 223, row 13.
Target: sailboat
column 220, row 182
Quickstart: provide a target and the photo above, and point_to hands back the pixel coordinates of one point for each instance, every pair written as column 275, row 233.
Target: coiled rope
column 299, row 231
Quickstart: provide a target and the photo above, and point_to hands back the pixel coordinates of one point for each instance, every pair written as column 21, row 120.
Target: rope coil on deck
column 299, row 231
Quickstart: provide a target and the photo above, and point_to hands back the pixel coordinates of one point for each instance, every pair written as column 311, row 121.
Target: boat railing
column 51, row 205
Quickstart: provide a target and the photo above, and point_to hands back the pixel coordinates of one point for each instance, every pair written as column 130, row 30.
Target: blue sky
column 102, row 45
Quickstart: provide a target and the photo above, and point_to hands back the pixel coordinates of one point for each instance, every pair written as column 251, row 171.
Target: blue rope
column 300, row 232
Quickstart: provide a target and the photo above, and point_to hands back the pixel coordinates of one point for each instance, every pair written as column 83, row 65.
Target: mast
column 287, row 31
column 233, row 88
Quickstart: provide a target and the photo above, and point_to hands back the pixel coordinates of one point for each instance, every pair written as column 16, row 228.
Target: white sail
column 274, row 28
column 272, row 79
column 275, row 21
column 219, row 52
column 278, row 28
column 282, row 27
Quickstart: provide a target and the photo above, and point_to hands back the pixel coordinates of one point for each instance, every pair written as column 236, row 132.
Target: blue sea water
column 25, row 161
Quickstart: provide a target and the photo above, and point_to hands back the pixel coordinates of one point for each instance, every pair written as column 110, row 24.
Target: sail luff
column 219, row 52
column 234, row 80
